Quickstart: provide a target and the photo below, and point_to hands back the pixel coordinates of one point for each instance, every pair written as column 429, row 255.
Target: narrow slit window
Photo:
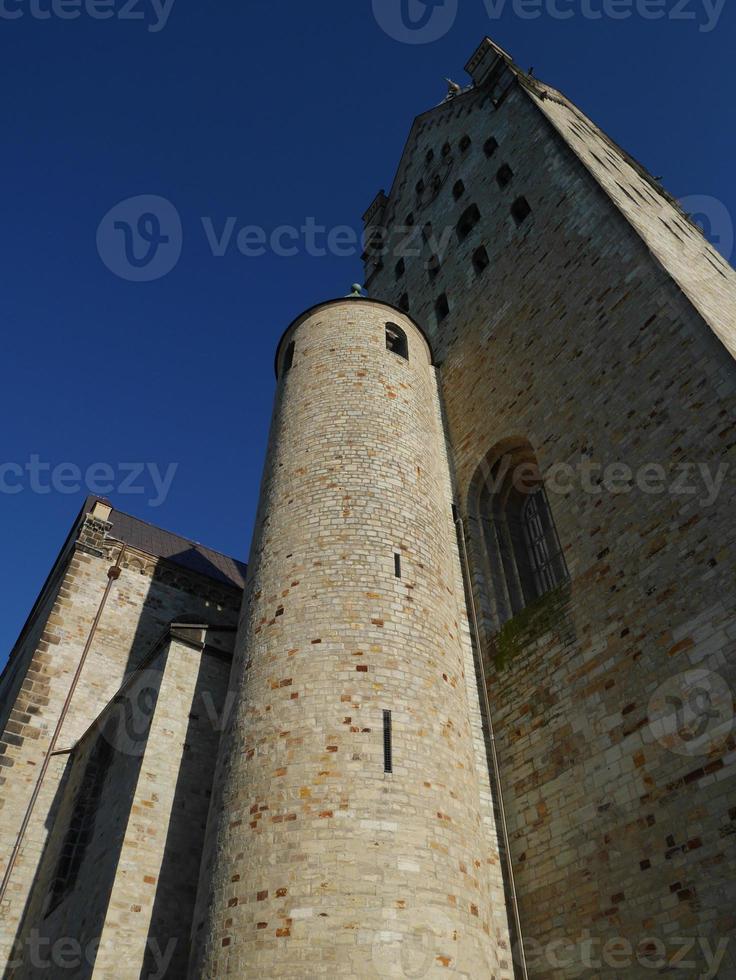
column 433, row 267
column 288, row 357
column 400, row 268
column 404, row 302
column 396, row 341
column 441, row 307
column 397, row 565
column 480, row 260
column 458, row 190
column 388, row 762
column 520, row 210
column 490, row 147
column 504, row 176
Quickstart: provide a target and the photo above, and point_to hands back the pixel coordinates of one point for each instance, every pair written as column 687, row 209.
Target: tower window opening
column 504, row 175
column 388, row 762
column 429, row 157
column 468, row 220
column 400, row 268
column 514, row 540
column 404, row 302
column 465, row 144
column 520, row 210
column 458, row 190
column 397, row 565
column 480, row 260
column 409, row 220
column 490, row 146
column 433, row 267
column 396, row 341
column 441, row 307
column 446, row 150
column 288, row 358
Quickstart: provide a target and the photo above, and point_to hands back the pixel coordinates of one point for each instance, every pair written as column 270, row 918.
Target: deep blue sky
column 270, row 112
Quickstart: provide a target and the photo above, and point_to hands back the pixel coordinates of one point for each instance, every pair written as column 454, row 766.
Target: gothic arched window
column 516, row 549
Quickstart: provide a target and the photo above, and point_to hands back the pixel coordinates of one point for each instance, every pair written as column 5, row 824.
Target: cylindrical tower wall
column 319, row 862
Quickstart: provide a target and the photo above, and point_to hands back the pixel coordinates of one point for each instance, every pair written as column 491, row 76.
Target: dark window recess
column 446, row 150
column 480, row 260
column 388, row 761
column 490, row 146
column 400, row 268
column 397, row 565
column 427, row 231
column 404, row 302
column 288, row 358
column 409, row 220
column 504, row 175
column 469, row 219
column 458, row 190
column 429, row 157
column 465, row 144
column 396, row 340
column 520, row 210
column 420, row 188
column 441, row 307
column 82, row 821
column 433, row 267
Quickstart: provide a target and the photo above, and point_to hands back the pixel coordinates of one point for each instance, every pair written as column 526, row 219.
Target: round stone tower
column 351, row 830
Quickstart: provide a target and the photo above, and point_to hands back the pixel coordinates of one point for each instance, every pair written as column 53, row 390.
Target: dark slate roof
column 155, row 541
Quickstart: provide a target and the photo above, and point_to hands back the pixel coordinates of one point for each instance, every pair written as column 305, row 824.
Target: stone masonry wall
column 147, row 596
column 576, row 338
column 319, row 862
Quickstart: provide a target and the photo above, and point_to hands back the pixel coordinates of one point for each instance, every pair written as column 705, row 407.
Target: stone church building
column 469, row 712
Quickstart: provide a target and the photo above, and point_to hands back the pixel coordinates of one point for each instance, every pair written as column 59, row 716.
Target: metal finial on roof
column 453, row 88
column 357, row 292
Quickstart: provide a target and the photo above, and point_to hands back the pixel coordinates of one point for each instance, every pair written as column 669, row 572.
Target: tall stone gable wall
column 577, row 339
column 143, row 601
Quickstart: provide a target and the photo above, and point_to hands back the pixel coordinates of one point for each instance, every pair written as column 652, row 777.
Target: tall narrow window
column 490, row 147
column 458, row 190
column 82, row 820
column 404, row 302
column 397, row 565
column 517, row 547
column 288, row 358
column 400, row 268
column 388, row 761
column 468, row 220
column 504, row 176
column 520, row 210
column 396, row 341
column 480, row 260
column 441, row 307
column 433, row 267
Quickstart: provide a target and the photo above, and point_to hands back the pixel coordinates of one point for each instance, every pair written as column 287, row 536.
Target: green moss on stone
column 539, row 617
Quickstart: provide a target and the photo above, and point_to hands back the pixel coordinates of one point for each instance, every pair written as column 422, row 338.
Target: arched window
column 396, row 340
column 516, row 550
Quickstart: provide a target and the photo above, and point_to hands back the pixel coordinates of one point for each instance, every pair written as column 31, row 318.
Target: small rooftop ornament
column 357, row 292
column 453, row 88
